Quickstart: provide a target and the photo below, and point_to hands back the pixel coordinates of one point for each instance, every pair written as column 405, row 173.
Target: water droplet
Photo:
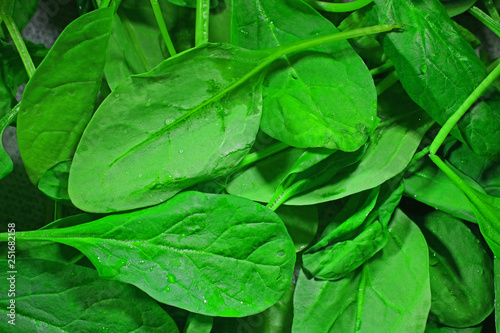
column 140, row 175
column 167, row 289
column 280, row 253
column 423, row 68
column 205, row 301
column 171, row 278
column 181, row 151
column 117, row 95
column 141, row 262
column 151, row 268
column 433, row 260
column 244, row 32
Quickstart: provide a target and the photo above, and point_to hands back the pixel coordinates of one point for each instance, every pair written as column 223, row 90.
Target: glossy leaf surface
column 44, row 289
column 58, row 100
column 188, row 252
column 461, row 272
column 164, row 114
column 390, row 149
column 390, row 293
column 442, row 59
column 302, row 106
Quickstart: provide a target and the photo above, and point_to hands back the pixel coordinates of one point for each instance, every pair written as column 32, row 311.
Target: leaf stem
column 453, row 120
column 386, row 82
column 490, row 6
column 202, row 18
column 486, row 20
column 261, row 154
column 382, row 68
column 339, row 7
column 19, row 43
column 163, row 27
column 9, row 117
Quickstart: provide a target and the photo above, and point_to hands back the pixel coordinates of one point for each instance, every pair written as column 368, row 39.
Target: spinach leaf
column 301, row 223
column 485, row 171
column 197, row 323
column 21, row 12
column 435, row 328
column 136, row 45
column 375, row 298
column 428, row 184
column 461, row 272
column 45, row 289
column 302, row 106
column 54, row 182
column 59, row 99
column 345, row 247
column 187, row 97
column 188, row 252
column 390, row 150
column 439, row 57
column 312, row 169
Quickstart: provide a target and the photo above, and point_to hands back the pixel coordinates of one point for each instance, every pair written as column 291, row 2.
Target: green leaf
column 59, row 99
column 192, row 3
column 13, row 73
column 390, row 150
column 53, row 297
column 21, row 12
column 461, row 272
column 163, row 153
column 436, row 328
column 188, row 252
column 323, row 98
column 313, row 168
column 428, row 184
column 345, row 247
column 301, row 223
column 390, row 293
column 485, row 171
column 136, row 45
column 197, row 323
column 276, row 319
column 54, row 182
column 496, row 270
column 440, row 70
column 456, row 7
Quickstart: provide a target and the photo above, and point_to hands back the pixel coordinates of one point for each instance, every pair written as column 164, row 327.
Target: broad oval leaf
column 59, row 99
column 323, row 98
column 184, row 122
column 390, row 293
column 188, row 252
column 54, row 297
column 461, row 272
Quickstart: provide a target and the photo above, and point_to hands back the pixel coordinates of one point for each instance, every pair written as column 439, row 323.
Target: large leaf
column 184, row 122
column 461, row 272
column 53, row 297
column 390, row 293
column 59, row 99
column 188, row 252
column 306, row 100
column 440, row 70
column 391, row 148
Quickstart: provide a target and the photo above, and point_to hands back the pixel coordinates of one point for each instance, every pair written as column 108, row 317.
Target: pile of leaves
column 255, row 166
